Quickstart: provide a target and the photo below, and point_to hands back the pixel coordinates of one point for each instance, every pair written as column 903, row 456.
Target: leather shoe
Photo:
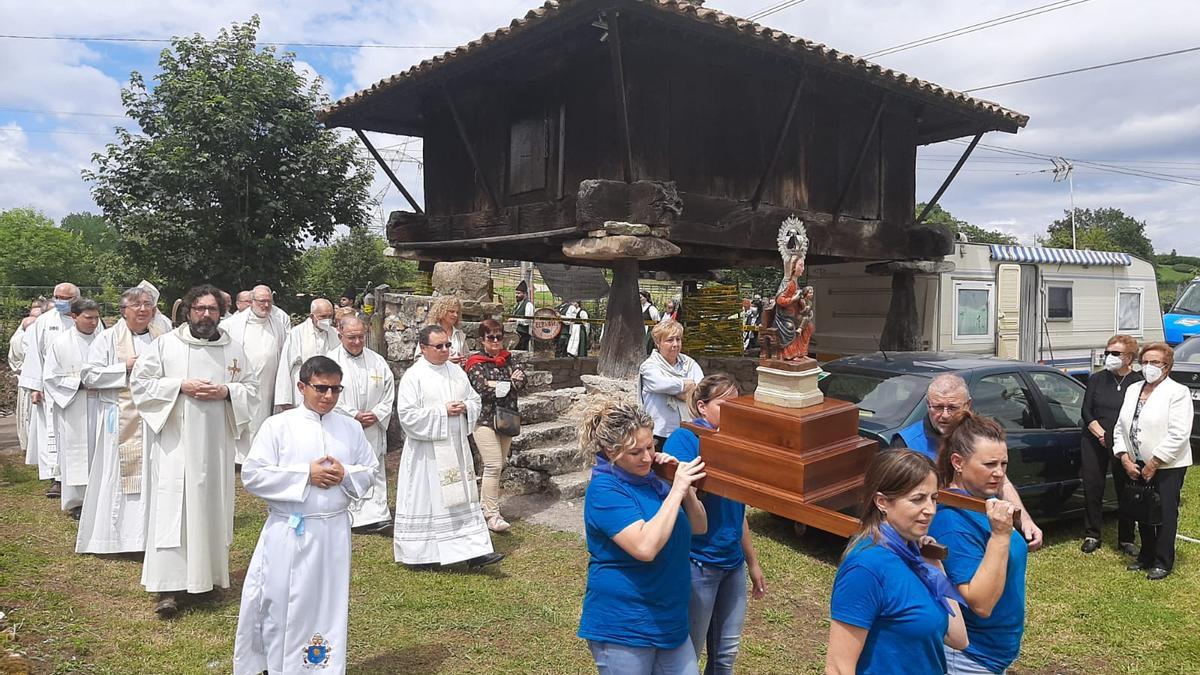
column 167, row 607
column 1157, row 573
column 1136, row 566
column 484, row 560
column 1128, row 549
column 1090, row 544
column 76, row 512
column 54, row 491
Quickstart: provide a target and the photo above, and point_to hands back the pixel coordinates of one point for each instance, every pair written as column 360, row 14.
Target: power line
column 774, row 9
column 61, row 112
column 982, row 25
column 1083, row 70
column 1109, row 168
column 330, row 45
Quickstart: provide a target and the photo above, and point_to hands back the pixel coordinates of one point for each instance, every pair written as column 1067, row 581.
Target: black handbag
column 1141, row 503
column 506, row 421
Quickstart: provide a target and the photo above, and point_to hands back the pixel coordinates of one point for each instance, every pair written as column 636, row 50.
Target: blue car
column 1182, row 321
column 1038, row 406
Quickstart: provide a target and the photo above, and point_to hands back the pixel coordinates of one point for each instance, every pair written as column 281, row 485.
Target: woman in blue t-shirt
column 638, row 526
column 722, row 555
column 893, row 610
column 987, row 557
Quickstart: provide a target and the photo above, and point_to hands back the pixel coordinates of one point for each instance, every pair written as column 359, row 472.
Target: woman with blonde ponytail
column 639, row 529
column 987, row 556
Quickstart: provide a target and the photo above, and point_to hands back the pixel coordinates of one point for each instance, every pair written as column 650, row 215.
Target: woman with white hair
column 666, row 379
column 447, row 313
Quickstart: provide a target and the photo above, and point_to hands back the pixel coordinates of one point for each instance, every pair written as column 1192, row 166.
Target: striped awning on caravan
column 1037, row 254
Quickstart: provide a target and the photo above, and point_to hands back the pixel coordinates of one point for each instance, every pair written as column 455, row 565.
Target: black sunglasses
column 1112, row 353
column 492, row 337
column 326, row 388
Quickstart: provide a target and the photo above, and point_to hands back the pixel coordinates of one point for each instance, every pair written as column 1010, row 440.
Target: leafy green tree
column 352, row 261
column 93, row 229
column 34, row 252
column 1104, row 229
column 939, row 216
column 231, row 173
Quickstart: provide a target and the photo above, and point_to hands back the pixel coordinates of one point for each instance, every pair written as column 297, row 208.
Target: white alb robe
column 303, row 342
column 261, row 338
column 438, row 514
column 114, row 508
column 41, row 448
column 16, row 356
column 579, row 331
column 190, row 481
column 369, row 387
column 297, row 589
column 73, row 409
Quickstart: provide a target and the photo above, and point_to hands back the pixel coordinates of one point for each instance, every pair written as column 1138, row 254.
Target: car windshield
column 1189, row 301
column 1189, row 351
column 886, row 400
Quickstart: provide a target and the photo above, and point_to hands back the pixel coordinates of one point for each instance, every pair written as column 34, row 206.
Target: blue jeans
column 958, row 663
column 716, row 614
column 615, row 659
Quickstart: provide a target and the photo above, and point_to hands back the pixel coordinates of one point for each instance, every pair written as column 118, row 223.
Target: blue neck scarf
column 661, row 487
column 934, row 579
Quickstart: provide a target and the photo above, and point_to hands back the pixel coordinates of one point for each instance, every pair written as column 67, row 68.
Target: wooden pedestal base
column 788, row 384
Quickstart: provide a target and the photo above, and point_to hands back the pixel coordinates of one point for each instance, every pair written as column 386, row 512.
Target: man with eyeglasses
column 370, row 391
column 314, row 337
column 308, row 464
column 42, row 447
column 439, row 517
column 948, row 396
column 194, row 390
column 261, row 333
column 113, row 519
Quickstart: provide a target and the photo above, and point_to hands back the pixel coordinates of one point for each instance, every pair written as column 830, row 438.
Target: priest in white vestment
column 194, row 391
column 314, row 337
column 439, row 519
column 261, row 333
column 73, row 405
column 308, row 464
column 113, row 519
column 42, row 449
column 370, row 391
column 16, row 356
column 159, row 320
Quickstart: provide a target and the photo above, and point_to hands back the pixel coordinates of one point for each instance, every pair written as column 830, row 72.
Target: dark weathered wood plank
column 862, row 155
column 466, row 140
column 785, row 130
column 612, row 19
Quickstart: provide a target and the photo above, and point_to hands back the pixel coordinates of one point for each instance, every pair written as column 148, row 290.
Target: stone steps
column 554, row 461
column 545, row 434
column 571, row 486
column 547, row 406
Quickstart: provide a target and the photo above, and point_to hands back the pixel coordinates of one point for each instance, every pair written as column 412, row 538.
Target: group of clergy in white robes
column 16, row 357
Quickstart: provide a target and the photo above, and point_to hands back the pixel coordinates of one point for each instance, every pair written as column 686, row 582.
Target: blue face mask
column 63, row 306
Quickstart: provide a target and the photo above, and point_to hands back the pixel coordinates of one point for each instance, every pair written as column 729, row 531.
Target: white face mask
column 1152, row 373
column 325, row 323
column 1113, row 363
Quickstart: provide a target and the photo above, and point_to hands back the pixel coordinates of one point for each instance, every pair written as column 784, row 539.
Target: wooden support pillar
column 902, row 328
column 623, row 347
column 785, row 130
column 862, row 155
column 949, row 179
column 388, row 170
column 466, row 140
column 614, row 50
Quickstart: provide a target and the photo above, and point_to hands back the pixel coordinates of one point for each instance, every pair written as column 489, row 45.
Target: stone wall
column 741, row 369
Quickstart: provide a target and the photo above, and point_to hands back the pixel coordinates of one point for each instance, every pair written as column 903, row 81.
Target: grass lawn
column 87, row 614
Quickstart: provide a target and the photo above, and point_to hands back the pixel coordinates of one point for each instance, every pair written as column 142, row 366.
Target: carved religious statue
column 792, row 319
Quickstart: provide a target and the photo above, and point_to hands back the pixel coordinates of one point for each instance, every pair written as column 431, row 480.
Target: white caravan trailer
column 1047, row 305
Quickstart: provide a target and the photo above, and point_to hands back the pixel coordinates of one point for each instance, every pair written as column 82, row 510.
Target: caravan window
column 1129, row 311
column 1060, row 304
column 974, row 319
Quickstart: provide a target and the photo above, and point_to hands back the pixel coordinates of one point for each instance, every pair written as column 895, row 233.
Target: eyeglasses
column 206, row 309
column 266, row 301
column 140, row 305
column 493, row 338
column 1160, row 364
column 439, row 346
column 326, row 388
column 1113, row 352
column 945, row 408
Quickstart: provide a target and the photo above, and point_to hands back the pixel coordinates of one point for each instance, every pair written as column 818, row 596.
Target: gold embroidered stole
column 129, row 423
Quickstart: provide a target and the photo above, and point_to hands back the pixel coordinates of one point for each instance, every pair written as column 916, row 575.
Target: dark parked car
column 1038, row 406
column 1187, row 371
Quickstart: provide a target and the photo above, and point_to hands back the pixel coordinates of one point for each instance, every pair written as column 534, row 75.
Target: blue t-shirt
column 721, row 545
column 876, row 590
column 996, row 640
column 630, row 602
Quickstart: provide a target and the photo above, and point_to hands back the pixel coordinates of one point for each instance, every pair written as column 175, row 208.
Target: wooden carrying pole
column 387, row 170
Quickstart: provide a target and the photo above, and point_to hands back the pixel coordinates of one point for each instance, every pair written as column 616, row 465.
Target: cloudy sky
column 60, row 98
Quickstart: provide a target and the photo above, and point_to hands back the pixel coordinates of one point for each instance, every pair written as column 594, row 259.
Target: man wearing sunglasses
column 439, row 518
column 309, row 464
column 370, row 390
column 948, row 396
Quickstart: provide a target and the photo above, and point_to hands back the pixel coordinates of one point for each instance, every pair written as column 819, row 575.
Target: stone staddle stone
column 620, row 246
column 464, row 279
